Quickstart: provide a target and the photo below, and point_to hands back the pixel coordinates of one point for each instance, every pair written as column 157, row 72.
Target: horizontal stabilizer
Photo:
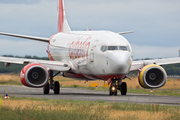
column 127, row 32
column 26, row 37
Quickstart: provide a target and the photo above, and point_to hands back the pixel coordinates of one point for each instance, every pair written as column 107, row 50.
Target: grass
column 25, row 114
column 34, row 109
column 10, row 82
column 10, row 79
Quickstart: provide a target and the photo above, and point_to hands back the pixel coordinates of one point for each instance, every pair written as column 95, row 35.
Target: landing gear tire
column 56, row 87
column 115, row 93
column 46, row 89
column 110, row 91
column 123, row 88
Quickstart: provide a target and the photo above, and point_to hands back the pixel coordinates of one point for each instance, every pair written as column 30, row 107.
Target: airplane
column 87, row 55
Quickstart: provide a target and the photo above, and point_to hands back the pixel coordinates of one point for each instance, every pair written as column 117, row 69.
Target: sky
column 156, row 24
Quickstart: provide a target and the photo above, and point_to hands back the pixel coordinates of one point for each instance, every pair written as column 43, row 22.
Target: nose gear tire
column 110, row 91
column 46, row 89
column 123, row 88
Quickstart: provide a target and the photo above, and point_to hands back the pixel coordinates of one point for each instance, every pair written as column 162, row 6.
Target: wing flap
column 26, row 37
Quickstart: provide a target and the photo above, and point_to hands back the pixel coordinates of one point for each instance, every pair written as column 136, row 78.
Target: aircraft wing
column 136, row 65
column 50, row 65
column 26, row 37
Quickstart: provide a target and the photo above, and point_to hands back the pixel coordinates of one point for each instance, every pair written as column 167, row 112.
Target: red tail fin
column 62, row 21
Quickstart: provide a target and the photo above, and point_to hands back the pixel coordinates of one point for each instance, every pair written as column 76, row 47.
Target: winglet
column 63, row 25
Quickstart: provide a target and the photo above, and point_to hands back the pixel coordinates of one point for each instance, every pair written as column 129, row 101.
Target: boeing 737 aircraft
column 87, row 55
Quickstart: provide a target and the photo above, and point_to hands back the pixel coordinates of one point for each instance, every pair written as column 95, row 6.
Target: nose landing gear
column 54, row 85
column 117, row 84
column 113, row 90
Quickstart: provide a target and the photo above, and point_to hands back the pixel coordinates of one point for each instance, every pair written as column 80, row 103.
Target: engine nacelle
column 152, row 76
column 34, row 75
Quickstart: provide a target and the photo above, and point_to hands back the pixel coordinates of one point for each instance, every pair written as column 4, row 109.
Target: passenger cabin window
column 113, row 48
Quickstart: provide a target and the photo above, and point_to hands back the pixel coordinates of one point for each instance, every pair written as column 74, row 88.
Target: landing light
column 113, row 88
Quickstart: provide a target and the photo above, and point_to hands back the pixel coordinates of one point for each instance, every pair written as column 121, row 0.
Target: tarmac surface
column 89, row 95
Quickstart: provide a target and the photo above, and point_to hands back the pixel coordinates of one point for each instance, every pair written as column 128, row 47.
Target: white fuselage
column 92, row 54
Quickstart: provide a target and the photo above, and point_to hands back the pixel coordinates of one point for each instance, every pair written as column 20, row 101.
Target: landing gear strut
column 117, row 84
column 53, row 85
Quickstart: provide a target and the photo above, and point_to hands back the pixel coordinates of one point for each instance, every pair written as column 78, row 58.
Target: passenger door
column 92, row 51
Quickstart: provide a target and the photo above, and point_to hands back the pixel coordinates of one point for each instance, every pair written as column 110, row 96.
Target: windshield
column 113, row 48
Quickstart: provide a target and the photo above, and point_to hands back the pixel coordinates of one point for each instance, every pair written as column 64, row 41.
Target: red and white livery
column 88, row 55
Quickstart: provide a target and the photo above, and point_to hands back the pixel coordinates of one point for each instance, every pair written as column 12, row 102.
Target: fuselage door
column 92, row 51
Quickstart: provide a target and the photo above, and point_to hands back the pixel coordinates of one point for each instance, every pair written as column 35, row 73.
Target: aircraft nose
column 120, row 62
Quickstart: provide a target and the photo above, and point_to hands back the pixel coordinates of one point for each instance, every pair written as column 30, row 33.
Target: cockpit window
column 124, row 48
column 112, row 48
column 104, row 48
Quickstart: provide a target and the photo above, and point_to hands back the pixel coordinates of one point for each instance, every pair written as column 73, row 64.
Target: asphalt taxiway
column 89, row 95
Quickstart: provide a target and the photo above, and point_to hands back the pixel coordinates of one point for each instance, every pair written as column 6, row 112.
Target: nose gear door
column 92, row 51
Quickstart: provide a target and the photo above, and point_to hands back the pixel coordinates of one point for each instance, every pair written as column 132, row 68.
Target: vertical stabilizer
column 63, row 25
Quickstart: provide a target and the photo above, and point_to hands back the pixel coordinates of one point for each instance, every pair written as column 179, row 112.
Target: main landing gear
column 53, row 85
column 117, row 84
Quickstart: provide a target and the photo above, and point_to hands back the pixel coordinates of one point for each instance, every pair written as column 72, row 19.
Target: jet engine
column 152, row 76
column 34, row 75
